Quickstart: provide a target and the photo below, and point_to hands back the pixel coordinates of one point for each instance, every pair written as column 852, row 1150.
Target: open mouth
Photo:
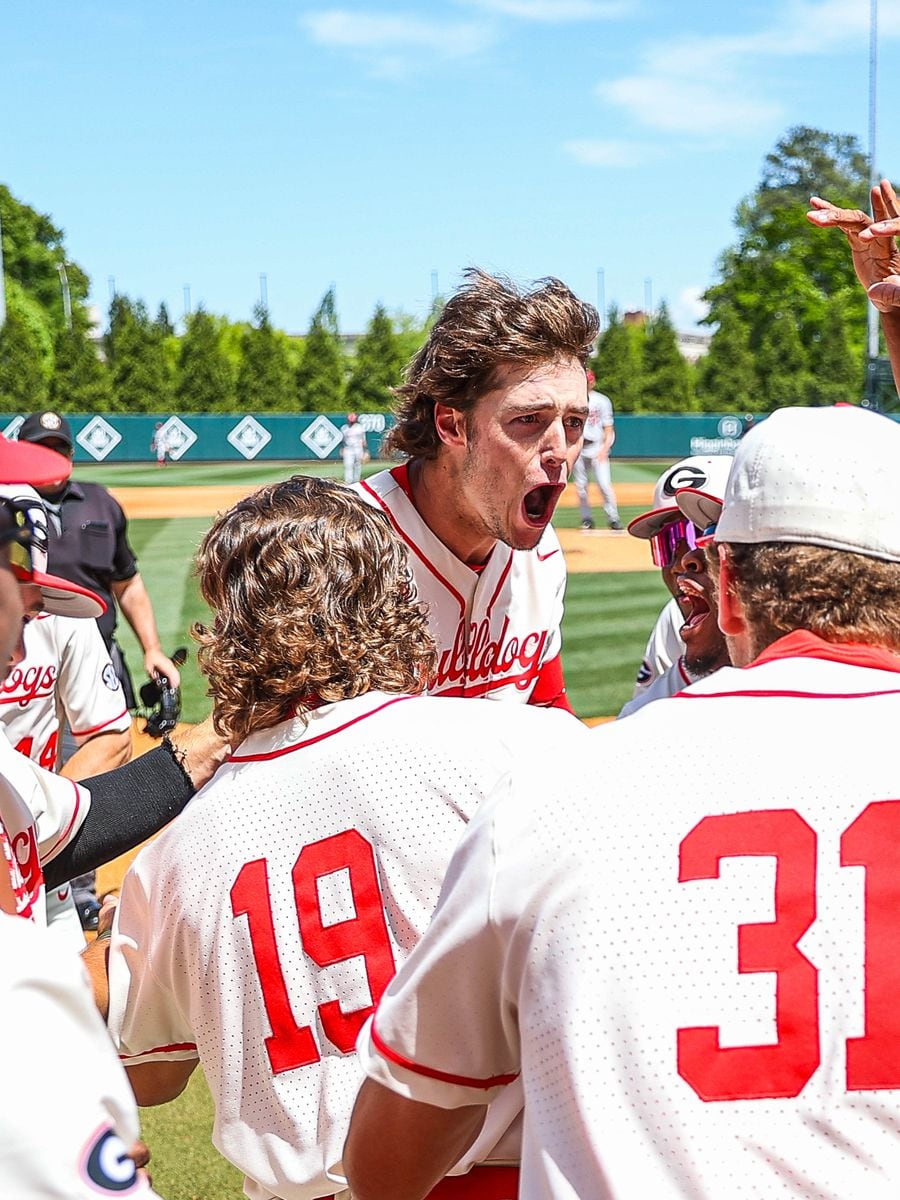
column 694, row 605
column 540, row 502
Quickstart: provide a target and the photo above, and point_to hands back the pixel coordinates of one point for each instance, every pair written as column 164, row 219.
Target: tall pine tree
column 141, row 378
column 618, row 362
column 205, row 376
column 727, row 376
column 320, row 377
column 836, row 369
column 26, row 353
column 667, row 384
column 81, row 380
column 377, row 366
column 264, row 382
column 782, row 365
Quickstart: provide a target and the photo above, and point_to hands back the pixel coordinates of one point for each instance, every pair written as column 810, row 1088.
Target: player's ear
column 731, row 612
column 450, row 424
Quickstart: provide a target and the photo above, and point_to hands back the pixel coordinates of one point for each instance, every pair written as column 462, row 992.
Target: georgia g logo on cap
column 684, row 477
column 50, row 420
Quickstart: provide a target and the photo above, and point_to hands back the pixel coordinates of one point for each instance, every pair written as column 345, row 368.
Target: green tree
column 141, row 377
column 377, row 367
column 321, row 373
column 33, row 252
column 726, row 378
column 618, row 362
column 81, row 381
column 836, row 368
column 25, row 353
column 264, row 382
column 205, row 376
column 667, row 385
column 782, row 365
column 163, row 321
column 779, row 262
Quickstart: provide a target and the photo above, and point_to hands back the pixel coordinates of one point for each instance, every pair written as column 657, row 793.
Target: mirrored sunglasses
column 16, row 532
column 664, row 545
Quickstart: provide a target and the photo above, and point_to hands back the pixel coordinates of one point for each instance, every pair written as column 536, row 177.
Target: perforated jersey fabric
column 692, row 976
column 494, row 628
column 257, row 930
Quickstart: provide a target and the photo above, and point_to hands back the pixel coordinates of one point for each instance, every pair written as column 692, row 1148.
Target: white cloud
column 706, row 85
column 387, row 36
column 608, row 152
column 557, row 11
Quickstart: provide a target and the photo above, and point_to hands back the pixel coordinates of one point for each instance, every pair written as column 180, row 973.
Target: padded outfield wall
column 120, row 438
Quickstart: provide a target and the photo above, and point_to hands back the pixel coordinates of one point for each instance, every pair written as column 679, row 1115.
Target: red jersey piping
column 63, row 837
column 460, row 1080
column 176, row 1046
column 97, row 728
column 319, row 737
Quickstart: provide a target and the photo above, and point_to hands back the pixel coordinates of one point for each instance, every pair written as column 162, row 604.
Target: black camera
column 161, row 701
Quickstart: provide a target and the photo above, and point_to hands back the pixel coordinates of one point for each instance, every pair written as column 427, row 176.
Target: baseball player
column 599, row 435
column 665, row 646
column 693, row 985
column 272, row 915
column 491, row 416
column 354, row 450
column 674, row 540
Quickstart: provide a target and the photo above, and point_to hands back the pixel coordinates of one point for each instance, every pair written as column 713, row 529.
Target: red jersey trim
column 500, row 582
column 460, row 1080
column 550, row 688
column 13, row 699
column 319, row 737
column 64, row 836
column 420, row 554
column 175, row 1047
column 803, row 644
column 491, row 685
column 97, row 728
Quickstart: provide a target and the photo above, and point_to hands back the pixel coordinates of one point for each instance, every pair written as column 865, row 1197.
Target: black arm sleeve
column 128, row 805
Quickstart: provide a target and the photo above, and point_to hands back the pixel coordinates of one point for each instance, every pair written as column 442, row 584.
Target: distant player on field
column 272, row 916
column 354, row 449
column 491, row 415
column 599, row 435
column 695, row 983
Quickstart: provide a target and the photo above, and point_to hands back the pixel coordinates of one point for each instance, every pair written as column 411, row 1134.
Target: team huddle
column 425, row 933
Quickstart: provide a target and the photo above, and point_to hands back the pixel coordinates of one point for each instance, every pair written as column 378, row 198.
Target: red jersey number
column 784, row 1069
column 363, row 936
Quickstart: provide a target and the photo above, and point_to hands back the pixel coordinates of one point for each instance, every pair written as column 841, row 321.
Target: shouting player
column 271, row 916
column 696, row 984
column 491, row 416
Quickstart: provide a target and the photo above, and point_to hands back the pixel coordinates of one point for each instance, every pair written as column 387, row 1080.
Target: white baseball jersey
column 494, row 628
column 675, row 680
column 66, row 673
column 75, row 1146
column 664, row 646
column 354, row 437
column 599, row 418
column 258, row 930
column 696, row 982
column 41, row 813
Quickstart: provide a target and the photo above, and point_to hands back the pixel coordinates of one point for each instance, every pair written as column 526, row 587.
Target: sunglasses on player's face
column 665, row 545
column 16, row 532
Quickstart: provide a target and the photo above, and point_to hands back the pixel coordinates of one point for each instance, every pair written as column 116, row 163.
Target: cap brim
column 61, row 597
column 23, row 462
column 702, row 508
column 648, row 524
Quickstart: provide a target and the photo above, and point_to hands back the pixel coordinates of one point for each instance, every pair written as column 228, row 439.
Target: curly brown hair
column 486, row 325
column 312, row 599
column 839, row 596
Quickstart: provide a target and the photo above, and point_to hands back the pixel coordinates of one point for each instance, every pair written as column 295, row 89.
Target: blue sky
column 370, row 144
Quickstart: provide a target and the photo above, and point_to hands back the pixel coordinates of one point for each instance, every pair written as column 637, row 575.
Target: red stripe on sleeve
column 550, row 687
column 460, row 1080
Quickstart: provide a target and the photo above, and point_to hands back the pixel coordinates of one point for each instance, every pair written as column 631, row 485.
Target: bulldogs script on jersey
column 66, row 672
column 495, row 628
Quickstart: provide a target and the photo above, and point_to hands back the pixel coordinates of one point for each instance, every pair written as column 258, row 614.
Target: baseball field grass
column 608, row 617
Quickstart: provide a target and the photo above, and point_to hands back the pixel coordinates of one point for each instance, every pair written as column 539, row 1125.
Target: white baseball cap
column 697, row 473
column 820, row 477
column 61, row 597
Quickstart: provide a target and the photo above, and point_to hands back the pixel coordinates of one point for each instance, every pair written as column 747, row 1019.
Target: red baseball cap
column 23, row 462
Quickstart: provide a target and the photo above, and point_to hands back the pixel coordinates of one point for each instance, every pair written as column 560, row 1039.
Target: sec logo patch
column 110, row 678
column 107, row 1168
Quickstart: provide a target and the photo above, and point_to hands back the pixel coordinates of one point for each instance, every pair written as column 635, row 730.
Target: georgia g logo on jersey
column 106, row 1166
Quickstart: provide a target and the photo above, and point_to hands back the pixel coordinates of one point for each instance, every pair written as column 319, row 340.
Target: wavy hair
column 312, row 599
column 840, row 596
column 486, row 325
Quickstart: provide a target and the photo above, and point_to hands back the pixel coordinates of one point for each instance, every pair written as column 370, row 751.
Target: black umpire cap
column 46, row 427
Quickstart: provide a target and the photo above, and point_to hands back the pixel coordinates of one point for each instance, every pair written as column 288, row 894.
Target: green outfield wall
column 117, row 438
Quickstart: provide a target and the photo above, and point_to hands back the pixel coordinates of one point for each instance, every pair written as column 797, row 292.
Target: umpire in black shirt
column 89, row 545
